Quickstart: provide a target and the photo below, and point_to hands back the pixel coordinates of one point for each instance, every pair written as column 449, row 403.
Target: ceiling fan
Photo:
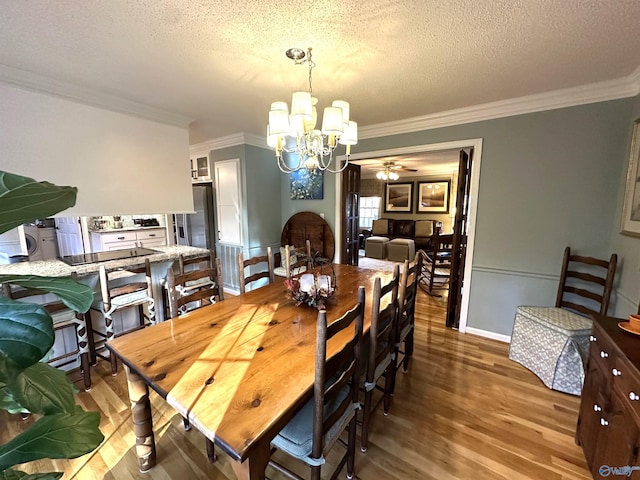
column 388, row 171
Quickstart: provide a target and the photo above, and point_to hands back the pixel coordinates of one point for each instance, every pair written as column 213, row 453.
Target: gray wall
column 627, row 247
column 547, row 180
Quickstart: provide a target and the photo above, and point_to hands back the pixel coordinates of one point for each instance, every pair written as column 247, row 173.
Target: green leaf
column 8, row 403
column 62, row 435
column 23, row 199
column 26, row 333
column 44, row 389
column 17, row 475
column 77, row 296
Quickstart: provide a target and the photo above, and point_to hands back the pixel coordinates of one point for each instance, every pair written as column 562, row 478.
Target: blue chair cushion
column 296, row 438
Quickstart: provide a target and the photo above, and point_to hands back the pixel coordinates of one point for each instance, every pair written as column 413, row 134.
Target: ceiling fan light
column 393, row 176
column 381, row 176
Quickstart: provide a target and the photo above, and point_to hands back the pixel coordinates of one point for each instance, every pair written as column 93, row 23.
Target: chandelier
column 295, row 131
column 387, row 174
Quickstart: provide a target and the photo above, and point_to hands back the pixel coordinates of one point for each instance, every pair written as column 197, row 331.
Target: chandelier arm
column 284, row 168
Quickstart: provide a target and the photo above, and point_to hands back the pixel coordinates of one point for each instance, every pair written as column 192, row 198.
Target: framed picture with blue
column 306, row 185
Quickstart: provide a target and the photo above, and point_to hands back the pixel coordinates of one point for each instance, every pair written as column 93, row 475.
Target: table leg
column 142, row 421
column 253, row 467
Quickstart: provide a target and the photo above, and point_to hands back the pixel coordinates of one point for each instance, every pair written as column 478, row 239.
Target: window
column 369, row 211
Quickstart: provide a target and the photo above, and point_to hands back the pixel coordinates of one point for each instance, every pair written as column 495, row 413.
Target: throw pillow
column 424, row 228
column 380, row 227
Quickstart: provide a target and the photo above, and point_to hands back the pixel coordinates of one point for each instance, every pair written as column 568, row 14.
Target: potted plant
column 28, row 384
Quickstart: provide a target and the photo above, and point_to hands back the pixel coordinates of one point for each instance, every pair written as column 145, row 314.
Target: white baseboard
column 487, row 334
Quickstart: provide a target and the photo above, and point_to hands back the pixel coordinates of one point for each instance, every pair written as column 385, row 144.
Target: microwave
column 200, row 168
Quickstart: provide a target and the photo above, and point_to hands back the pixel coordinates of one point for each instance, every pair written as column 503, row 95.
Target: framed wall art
column 305, row 185
column 631, row 207
column 398, row 197
column 433, row 197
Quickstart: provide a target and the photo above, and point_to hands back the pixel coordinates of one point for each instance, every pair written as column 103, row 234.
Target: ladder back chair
column 380, row 349
column 436, row 269
column 553, row 342
column 63, row 318
column 189, row 290
column 263, row 262
column 194, row 289
column 406, row 314
column 122, row 288
column 297, row 260
column 317, row 426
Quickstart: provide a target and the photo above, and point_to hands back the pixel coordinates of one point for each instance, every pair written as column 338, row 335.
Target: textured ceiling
column 222, row 62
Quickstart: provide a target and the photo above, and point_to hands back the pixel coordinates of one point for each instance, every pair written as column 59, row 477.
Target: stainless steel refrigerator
column 198, row 229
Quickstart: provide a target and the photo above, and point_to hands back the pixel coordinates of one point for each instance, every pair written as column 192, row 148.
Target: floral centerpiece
column 314, row 288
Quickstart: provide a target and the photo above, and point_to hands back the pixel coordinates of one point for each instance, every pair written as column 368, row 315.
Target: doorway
column 474, row 184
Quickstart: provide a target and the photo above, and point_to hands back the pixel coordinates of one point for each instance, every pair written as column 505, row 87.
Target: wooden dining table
column 239, row 369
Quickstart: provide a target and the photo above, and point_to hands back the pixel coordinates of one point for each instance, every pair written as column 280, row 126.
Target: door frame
column 476, row 143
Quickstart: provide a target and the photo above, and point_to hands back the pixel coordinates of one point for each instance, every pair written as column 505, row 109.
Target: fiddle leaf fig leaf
column 73, row 294
column 8, row 403
column 26, row 334
column 44, row 389
column 18, row 475
column 23, row 199
column 62, row 435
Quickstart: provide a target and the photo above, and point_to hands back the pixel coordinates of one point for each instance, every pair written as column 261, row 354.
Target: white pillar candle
column 306, row 282
column 324, row 282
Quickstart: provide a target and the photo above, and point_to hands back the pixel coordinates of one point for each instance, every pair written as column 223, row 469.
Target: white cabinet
column 200, row 171
column 148, row 238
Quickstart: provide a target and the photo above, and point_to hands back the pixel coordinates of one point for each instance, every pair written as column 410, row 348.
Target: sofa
column 420, row 231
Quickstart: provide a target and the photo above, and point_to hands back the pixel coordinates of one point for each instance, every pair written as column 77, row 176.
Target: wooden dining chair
column 188, row 291
column 63, row 318
column 122, row 288
column 406, row 314
column 380, row 350
column 297, row 260
column 264, row 263
column 194, row 289
column 436, row 268
column 553, row 342
column 317, row 426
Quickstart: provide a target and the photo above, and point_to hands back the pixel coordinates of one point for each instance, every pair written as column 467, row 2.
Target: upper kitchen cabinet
column 200, row 167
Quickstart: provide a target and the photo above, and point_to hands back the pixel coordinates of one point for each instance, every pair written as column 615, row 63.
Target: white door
column 228, row 201
column 69, row 236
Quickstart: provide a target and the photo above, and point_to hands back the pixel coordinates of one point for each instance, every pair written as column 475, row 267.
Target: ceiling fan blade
column 407, row 169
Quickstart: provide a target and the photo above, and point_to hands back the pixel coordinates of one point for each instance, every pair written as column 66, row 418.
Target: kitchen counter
column 57, row 268
column 124, row 229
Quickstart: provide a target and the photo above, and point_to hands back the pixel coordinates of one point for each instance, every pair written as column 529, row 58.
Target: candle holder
column 316, row 287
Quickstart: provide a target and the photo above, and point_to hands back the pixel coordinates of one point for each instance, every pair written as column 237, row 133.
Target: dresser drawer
column 601, row 350
column 626, row 380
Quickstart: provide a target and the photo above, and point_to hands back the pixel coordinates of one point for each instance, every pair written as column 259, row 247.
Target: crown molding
column 41, row 84
column 228, row 141
column 624, row 87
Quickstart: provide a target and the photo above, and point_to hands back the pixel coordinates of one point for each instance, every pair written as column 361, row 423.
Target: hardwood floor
column 463, row 411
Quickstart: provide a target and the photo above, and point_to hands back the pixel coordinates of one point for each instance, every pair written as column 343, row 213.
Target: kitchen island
column 88, row 272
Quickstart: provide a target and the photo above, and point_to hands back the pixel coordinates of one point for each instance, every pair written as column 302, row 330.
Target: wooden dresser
column 609, row 419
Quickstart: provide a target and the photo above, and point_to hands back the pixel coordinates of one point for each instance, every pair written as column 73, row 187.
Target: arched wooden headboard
column 310, row 226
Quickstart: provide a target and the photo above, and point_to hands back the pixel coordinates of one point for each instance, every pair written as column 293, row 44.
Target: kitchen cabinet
column 119, row 239
column 609, row 420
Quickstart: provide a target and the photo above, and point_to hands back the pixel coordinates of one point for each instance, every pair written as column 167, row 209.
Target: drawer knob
column 604, row 354
column 616, row 372
column 120, row 238
column 592, row 338
column 603, row 422
column 634, row 396
column 597, row 408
